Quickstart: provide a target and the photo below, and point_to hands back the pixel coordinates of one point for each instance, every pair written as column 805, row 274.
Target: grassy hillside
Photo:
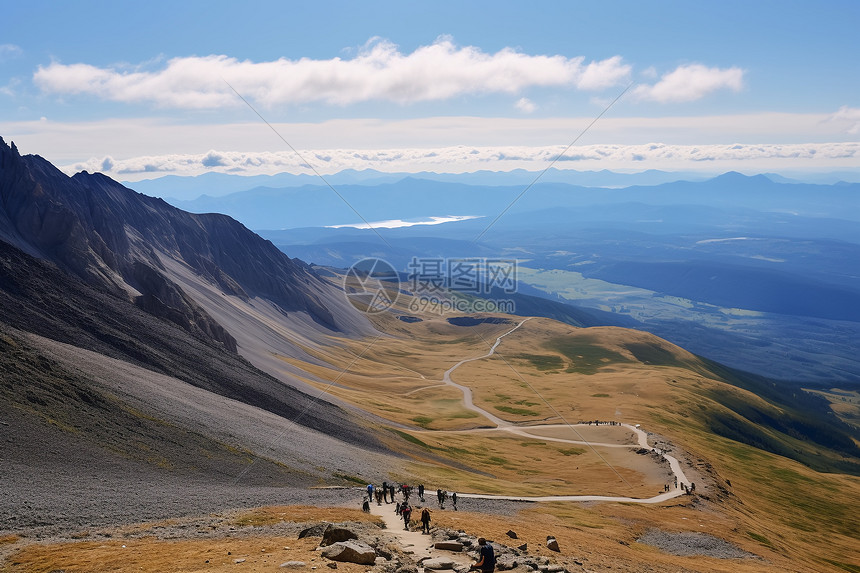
column 774, row 467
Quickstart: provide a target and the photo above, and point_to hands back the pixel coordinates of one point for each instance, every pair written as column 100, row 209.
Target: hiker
column 406, row 512
column 370, row 491
column 454, row 500
column 385, row 492
column 397, row 508
column 365, row 507
column 421, row 492
column 439, row 498
column 425, row 521
column 487, row 561
column 378, row 497
column 391, row 490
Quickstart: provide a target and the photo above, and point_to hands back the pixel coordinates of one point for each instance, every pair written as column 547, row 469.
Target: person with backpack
column 425, row 521
column 406, row 513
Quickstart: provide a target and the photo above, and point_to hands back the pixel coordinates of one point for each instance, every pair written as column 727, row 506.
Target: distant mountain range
column 413, row 198
column 186, row 188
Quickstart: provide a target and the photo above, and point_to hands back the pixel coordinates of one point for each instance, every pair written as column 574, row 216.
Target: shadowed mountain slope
column 117, row 240
column 87, row 262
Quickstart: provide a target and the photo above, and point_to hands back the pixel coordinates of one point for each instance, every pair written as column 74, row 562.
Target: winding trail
column 528, row 431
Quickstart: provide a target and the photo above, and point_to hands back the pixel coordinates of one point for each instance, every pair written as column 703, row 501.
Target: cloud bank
column 469, row 158
column 378, row 72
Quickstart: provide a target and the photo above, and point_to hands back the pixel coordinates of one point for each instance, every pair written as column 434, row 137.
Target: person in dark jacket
column 487, row 561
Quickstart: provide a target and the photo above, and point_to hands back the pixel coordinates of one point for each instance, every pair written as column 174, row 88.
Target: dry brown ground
column 259, row 550
column 597, row 538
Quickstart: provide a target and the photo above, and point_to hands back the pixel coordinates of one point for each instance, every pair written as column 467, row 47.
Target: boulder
column 512, row 534
column 336, row 534
column 506, row 563
column 313, row 531
column 449, row 545
column 523, row 547
column 294, row 564
column 351, row 552
column 552, row 544
column 438, row 563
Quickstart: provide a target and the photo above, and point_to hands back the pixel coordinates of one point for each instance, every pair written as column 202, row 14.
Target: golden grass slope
column 549, row 372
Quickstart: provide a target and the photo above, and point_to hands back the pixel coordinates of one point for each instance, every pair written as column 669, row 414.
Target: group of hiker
column 688, row 489
column 387, row 492
column 404, row 510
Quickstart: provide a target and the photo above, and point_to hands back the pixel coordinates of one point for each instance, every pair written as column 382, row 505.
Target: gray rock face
column 336, row 534
column 439, row 563
column 294, row 564
column 552, row 544
column 313, row 531
column 351, row 552
column 111, row 237
column 449, row 546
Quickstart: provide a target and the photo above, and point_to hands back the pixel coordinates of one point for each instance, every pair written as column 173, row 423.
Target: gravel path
column 695, row 543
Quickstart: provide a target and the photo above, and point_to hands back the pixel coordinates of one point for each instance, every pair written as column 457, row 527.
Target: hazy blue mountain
column 413, row 198
column 187, row 188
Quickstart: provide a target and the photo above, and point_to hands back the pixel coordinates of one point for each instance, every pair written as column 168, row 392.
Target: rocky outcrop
column 350, row 552
column 438, row 563
column 336, row 534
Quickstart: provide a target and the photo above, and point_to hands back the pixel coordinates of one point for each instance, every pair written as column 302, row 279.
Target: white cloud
column 848, row 118
column 472, row 158
column 525, row 105
column 379, row 71
column 10, row 51
column 690, row 83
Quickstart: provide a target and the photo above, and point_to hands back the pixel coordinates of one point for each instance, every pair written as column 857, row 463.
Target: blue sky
column 140, row 89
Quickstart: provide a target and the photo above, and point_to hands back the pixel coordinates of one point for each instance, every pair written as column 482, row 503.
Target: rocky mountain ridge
column 118, row 240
